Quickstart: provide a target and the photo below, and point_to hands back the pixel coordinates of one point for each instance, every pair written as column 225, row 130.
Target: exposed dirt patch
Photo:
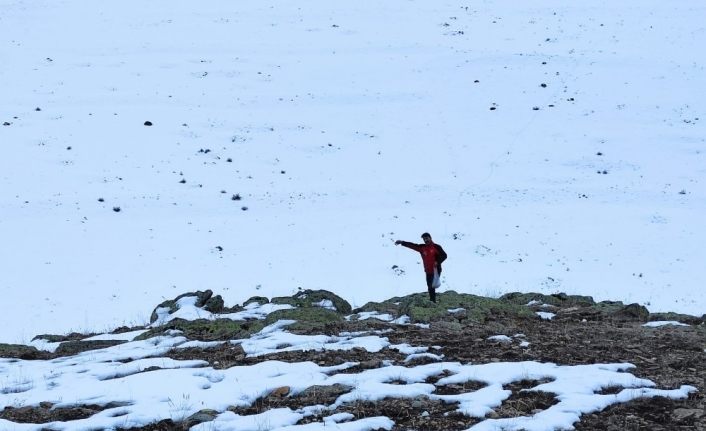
column 420, row 414
column 220, row 357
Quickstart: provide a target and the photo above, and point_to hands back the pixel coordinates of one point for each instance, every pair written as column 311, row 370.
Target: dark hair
column 426, row 234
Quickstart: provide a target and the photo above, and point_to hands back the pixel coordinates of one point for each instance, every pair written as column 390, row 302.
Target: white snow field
column 548, row 146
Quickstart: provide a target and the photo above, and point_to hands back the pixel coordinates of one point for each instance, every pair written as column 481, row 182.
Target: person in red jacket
column 432, row 256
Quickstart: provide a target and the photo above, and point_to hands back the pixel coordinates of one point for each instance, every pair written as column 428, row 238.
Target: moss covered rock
column 259, row 299
column 420, row 309
column 315, row 298
column 53, row 338
column 70, row 348
column 18, row 351
column 391, row 306
column 635, row 312
column 204, row 299
column 307, row 318
column 208, row 330
column 677, row 317
column 477, row 308
column 557, row 299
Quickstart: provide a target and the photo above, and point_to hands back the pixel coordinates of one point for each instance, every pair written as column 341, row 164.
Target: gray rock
column 204, row 299
column 259, row 299
column 70, row 348
column 19, row 351
column 632, row 312
column 682, row 414
column 206, row 415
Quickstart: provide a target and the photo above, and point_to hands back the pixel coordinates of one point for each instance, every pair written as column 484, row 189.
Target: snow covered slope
column 548, row 147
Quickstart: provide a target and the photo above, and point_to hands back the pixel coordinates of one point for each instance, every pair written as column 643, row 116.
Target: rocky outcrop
column 470, row 307
column 205, row 300
column 315, row 298
column 19, row 351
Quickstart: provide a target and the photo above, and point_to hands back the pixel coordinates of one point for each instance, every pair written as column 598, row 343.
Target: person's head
column 426, row 237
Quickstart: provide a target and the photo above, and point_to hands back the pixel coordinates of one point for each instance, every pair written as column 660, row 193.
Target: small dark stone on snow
column 68, row 148
column 605, row 172
column 183, row 181
column 229, row 160
column 476, row 81
column 219, row 248
column 536, row 108
column 599, row 153
column 244, row 208
column 148, row 123
column 543, row 85
column 116, row 209
column 493, row 108
column 236, row 197
column 6, row 123
column 282, row 172
column 683, row 192
column 101, row 200
column 37, row 109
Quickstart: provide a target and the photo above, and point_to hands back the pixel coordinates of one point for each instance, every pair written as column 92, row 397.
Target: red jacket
column 432, row 255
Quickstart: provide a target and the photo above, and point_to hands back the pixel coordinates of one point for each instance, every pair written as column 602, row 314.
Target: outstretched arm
column 408, row 244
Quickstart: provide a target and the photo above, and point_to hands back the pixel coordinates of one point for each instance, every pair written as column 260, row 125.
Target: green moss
column 204, row 299
column 608, row 307
column 391, row 306
column 307, row 318
column 556, row 299
column 70, row 348
column 284, row 300
column 307, row 299
column 259, row 299
column 19, row 351
column 208, row 330
column 52, row 338
column 420, row 309
column 170, row 304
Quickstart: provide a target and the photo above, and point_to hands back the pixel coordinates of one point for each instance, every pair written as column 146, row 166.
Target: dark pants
column 430, row 288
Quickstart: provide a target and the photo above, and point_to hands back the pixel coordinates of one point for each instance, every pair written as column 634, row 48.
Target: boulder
column 18, row 351
column 204, row 299
column 259, row 299
column 208, row 330
column 205, row 415
column 682, row 318
column 310, row 298
column 307, row 318
column 556, row 299
column 70, row 348
column 635, row 312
